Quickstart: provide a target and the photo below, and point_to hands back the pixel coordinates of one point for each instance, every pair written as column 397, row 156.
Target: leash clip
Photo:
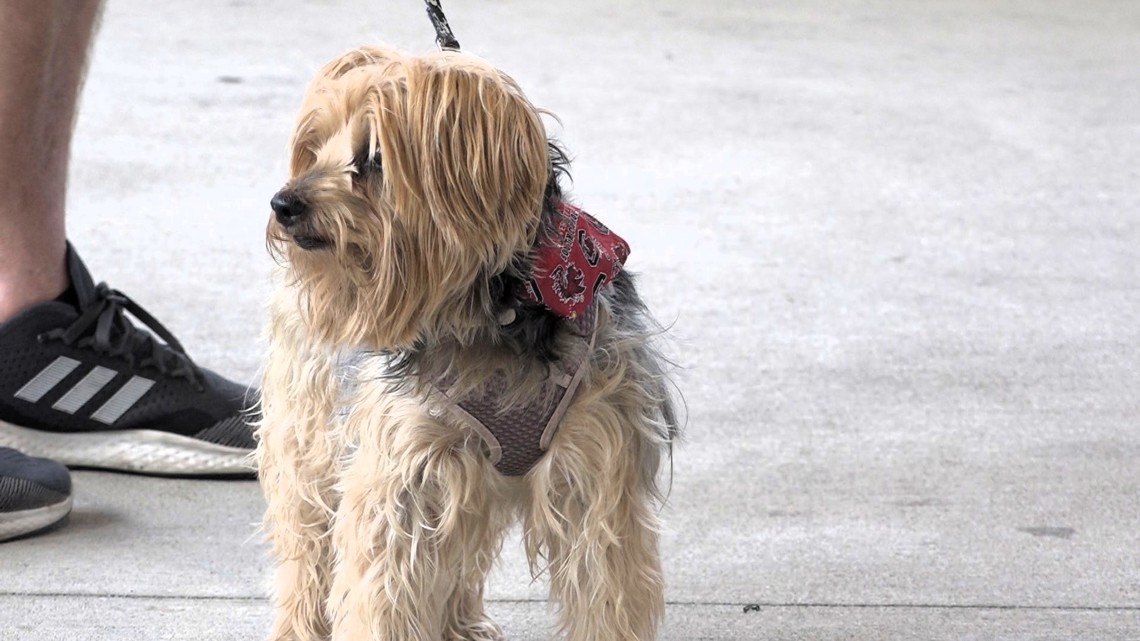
column 443, row 35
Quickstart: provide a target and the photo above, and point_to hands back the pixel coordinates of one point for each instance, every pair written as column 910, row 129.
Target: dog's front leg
column 297, row 465
column 414, row 533
column 591, row 517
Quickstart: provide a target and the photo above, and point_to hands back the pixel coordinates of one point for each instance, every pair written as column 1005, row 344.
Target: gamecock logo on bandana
column 562, row 267
column 588, row 246
column 569, row 284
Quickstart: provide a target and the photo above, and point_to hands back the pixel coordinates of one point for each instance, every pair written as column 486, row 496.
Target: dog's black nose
column 288, row 208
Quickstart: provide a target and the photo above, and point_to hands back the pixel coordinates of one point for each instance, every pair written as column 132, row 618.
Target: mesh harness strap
column 518, row 436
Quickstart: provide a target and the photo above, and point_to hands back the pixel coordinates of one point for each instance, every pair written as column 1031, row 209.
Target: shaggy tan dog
column 424, row 391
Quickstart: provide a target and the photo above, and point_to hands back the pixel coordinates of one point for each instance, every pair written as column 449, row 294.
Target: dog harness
column 517, row 436
column 571, row 265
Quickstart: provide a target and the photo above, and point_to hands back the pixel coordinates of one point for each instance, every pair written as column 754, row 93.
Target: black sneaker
column 82, row 384
column 35, row 494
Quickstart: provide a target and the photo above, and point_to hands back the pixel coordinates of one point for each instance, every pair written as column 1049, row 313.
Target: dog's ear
column 482, row 155
column 327, row 102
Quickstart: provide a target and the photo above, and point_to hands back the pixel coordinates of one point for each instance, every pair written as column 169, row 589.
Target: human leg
column 79, row 381
column 43, row 55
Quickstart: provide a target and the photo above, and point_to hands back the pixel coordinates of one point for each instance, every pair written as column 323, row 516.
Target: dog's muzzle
column 290, row 211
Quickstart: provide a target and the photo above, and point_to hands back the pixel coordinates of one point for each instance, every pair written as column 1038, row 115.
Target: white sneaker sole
column 14, row 524
column 140, row 451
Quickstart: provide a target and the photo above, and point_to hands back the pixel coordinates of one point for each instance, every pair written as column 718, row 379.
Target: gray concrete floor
column 896, row 241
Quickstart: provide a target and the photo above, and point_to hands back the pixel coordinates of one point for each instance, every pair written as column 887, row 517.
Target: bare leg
column 43, row 56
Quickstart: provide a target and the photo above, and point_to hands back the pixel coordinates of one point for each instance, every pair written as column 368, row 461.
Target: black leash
column 443, row 36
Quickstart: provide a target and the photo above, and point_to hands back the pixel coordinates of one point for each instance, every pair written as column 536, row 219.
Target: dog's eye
column 367, row 164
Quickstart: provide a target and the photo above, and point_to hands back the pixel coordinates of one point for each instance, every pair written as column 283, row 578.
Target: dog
column 453, row 348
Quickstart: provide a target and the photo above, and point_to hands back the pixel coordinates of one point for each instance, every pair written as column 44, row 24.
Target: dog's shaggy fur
column 418, row 187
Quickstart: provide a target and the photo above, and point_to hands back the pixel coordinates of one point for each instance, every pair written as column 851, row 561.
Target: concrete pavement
column 897, row 243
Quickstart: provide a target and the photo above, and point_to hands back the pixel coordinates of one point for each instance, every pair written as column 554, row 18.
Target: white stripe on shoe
column 123, row 400
column 48, row 378
column 84, row 390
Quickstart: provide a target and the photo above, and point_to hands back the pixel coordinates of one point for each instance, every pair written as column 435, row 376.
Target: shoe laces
column 115, row 335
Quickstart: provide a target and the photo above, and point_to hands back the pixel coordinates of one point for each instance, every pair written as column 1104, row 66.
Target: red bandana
column 573, row 261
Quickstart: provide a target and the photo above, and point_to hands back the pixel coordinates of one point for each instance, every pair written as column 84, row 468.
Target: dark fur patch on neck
column 534, row 332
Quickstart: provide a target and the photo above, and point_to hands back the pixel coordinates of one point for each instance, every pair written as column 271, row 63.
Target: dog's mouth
column 310, row 242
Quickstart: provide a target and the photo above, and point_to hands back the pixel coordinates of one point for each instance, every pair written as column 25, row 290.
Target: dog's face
column 413, row 179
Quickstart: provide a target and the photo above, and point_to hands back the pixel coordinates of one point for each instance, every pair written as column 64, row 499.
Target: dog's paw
column 485, row 630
